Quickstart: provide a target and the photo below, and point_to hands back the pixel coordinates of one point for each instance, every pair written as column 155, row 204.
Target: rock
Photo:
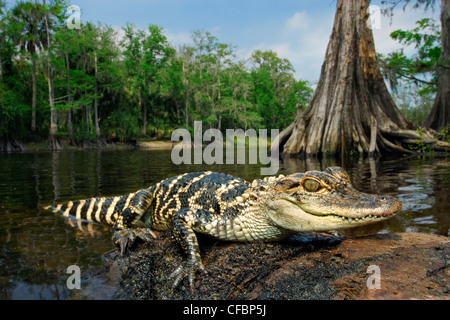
column 412, row 266
column 306, row 266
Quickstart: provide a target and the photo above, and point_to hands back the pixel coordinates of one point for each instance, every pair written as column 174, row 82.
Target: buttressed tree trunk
column 351, row 109
column 440, row 113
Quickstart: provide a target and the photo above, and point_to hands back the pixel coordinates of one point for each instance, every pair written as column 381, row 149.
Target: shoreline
column 39, row 145
column 143, row 144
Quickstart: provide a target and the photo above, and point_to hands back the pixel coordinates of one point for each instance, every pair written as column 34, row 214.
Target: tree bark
column 439, row 117
column 33, row 94
column 185, row 57
column 144, row 125
column 53, row 141
column 97, row 126
column 351, row 110
column 70, row 126
column 70, row 99
column 186, row 107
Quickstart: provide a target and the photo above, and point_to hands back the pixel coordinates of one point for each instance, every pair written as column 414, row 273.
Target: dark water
column 37, row 246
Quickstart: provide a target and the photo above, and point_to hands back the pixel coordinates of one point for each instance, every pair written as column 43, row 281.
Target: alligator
column 232, row 209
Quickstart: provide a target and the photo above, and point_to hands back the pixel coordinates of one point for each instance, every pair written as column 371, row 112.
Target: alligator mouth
column 372, row 217
column 371, row 207
column 292, row 216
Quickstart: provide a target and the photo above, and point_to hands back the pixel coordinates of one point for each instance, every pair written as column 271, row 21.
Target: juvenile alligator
column 230, row 208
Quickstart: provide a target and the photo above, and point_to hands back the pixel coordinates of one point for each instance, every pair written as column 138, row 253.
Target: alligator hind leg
column 125, row 238
column 129, row 225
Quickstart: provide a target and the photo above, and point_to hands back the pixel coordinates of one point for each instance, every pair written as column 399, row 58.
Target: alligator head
column 322, row 201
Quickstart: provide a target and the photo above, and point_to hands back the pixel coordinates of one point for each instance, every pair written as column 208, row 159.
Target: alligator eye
column 311, row 185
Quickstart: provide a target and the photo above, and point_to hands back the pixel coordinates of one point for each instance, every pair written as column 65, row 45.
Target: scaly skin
column 232, row 209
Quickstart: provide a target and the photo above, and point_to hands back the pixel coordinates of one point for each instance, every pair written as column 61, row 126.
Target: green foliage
column 444, row 134
column 122, row 123
column 415, row 107
column 420, row 68
column 134, row 86
column 419, row 146
column 276, row 92
column 12, row 111
column 81, row 132
column 413, row 78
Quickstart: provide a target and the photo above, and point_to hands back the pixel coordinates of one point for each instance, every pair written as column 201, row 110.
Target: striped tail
column 101, row 210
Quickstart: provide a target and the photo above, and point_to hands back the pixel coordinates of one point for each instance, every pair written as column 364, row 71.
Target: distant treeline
column 89, row 83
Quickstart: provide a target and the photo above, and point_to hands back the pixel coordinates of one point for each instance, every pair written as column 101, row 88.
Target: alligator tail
column 103, row 210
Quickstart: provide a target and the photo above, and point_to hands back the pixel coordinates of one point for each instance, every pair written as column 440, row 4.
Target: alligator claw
column 127, row 237
column 187, row 268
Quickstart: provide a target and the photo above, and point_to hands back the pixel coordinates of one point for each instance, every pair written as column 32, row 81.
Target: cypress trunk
column 96, row 118
column 439, row 117
column 53, row 141
column 34, row 91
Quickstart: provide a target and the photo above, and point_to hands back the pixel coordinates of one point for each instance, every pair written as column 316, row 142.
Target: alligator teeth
column 360, row 218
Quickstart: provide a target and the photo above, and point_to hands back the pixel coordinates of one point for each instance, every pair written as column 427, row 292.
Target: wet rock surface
column 306, row 266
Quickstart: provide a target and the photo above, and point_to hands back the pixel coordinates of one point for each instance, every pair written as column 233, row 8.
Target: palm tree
column 30, row 35
column 52, row 13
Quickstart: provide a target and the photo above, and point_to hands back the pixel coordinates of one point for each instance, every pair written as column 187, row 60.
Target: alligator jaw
column 291, row 216
column 334, row 222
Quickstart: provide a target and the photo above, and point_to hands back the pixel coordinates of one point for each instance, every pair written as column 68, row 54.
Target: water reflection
column 37, row 246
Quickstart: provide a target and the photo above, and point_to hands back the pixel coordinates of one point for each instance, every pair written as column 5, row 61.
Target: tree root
column 9, row 144
column 53, row 144
column 424, row 139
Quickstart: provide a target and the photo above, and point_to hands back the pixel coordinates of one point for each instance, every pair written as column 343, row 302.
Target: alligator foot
column 187, row 268
column 125, row 238
column 334, row 233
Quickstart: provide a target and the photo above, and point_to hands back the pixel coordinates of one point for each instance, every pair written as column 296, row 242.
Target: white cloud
column 299, row 21
column 120, row 33
column 178, row 38
column 285, row 50
column 303, row 38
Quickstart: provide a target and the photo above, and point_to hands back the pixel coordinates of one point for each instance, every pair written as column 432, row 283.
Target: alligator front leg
column 183, row 226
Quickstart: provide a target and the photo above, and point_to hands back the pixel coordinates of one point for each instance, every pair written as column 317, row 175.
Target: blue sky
column 298, row 30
